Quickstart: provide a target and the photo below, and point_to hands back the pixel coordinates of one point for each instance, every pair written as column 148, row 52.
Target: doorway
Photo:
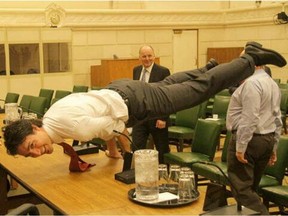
column 185, row 49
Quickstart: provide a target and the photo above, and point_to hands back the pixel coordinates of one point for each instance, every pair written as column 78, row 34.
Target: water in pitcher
column 146, row 174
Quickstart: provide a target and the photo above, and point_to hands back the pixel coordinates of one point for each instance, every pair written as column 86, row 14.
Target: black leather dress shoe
column 211, row 63
column 253, row 43
column 262, row 56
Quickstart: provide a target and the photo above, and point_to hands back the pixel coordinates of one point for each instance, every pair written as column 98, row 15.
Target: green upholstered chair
column 212, row 172
column 172, row 119
column 210, row 102
column 25, row 102
column 274, row 175
column 277, row 80
column 80, row 88
column 96, row 87
column 184, row 127
column 203, row 109
column 277, row 195
column 60, row 94
column 203, row 148
column 48, row 94
column 283, row 85
column 284, row 108
column 11, row 97
column 38, row 106
column 220, row 107
column 224, row 92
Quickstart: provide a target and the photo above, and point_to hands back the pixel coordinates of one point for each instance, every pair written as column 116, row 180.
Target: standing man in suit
column 151, row 72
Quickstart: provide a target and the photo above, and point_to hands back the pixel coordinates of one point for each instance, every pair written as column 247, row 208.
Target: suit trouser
column 246, row 177
column 140, row 135
column 181, row 90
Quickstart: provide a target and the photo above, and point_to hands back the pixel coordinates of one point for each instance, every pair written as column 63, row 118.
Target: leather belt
column 124, row 97
column 255, row 134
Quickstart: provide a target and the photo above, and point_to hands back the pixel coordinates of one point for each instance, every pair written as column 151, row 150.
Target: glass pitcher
column 146, row 174
column 12, row 112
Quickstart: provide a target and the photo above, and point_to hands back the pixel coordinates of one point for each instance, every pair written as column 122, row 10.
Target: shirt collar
column 149, row 69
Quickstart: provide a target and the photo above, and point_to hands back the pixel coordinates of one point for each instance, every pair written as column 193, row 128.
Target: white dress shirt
column 148, row 72
column 84, row 116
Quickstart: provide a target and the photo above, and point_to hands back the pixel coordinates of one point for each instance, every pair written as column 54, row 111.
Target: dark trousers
column 140, row 135
column 180, row 90
column 246, row 177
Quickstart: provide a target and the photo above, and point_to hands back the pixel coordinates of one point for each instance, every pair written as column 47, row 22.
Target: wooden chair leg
column 181, row 145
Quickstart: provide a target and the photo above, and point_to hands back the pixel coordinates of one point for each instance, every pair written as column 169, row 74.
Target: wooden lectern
column 109, row 70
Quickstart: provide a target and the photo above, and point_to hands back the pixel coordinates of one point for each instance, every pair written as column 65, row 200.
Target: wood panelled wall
column 223, row 55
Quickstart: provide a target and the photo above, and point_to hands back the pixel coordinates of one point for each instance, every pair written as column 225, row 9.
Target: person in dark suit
column 151, row 72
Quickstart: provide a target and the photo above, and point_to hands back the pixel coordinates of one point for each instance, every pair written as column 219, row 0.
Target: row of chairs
column 40, row 104
column 184, row 121
column 201, row 161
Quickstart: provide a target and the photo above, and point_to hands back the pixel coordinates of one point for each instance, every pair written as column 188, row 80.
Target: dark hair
column 16, row 133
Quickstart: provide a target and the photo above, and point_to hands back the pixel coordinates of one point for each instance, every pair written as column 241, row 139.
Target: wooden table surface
column 94, row 192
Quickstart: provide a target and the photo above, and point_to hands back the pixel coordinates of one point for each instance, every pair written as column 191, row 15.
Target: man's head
column 146, row 56
column 27, row 138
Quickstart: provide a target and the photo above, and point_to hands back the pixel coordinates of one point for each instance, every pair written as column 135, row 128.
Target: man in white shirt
column 125, row 103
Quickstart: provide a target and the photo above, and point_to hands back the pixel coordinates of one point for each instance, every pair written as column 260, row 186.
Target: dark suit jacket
column 158, row 73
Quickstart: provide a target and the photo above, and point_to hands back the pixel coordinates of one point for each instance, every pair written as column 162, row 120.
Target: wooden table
column 94, row 192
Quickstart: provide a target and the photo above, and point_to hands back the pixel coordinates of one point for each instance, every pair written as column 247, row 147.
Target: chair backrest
column 188, row 117
column 48, row 94
column 284, row 101
column 206, row 137
column 277, row 80
column 225, row 146
column 11, row 97
column 79, row 88
column 25, row 102
column 58, row 95
column 38, row 106
column 224, row 92
column 203, row 109
column 278, row 170
column 283, row 85
column 61, row 93
column 96, row 87
column 220, row 105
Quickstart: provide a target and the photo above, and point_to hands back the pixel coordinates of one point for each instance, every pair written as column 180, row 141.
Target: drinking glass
column 163, row 176
column 193, row 184
column 174, row 173
column 185, row 190
column 184, row 170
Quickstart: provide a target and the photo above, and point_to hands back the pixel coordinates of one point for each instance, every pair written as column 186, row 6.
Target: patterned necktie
column 76, row 163
column 143, row 79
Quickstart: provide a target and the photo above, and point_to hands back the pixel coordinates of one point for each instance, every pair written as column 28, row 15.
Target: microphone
column 128, row 156
column 127, row 175
column 132, row 143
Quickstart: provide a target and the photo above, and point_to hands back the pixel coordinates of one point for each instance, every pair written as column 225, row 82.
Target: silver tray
column 165, row 204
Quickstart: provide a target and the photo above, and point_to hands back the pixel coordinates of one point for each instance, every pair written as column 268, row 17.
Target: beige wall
column 99, row 30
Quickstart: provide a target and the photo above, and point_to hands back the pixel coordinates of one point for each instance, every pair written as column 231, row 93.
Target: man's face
column 36, row 144
column 146, row 56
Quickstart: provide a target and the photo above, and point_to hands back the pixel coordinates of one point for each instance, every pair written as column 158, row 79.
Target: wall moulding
column 55, row 16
